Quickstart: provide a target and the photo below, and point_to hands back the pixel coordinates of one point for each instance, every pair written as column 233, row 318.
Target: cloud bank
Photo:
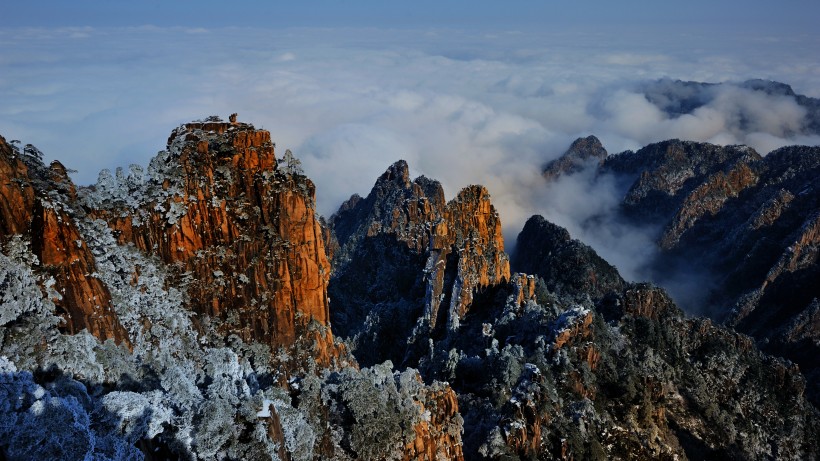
column 461, row 106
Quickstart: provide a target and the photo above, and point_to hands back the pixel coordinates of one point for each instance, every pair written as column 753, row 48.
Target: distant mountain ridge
column 746, row 223
column 679, row 97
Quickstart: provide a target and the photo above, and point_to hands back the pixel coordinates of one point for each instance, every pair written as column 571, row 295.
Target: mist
column 464, row 106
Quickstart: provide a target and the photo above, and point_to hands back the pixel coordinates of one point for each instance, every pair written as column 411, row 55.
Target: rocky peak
column 239, row 229
column 581, row 153
column 567, row 266
column 398, row 173
column 395, row 205
column 428, row 255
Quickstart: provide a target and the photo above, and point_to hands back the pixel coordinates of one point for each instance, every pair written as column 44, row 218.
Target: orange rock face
column 86, row 302
column 16, row 194
column 473, row 227
column 465, row 241
column 241, row 232
column 575, row 330
column 440, row 436
column 27, row 207
column 523, row 288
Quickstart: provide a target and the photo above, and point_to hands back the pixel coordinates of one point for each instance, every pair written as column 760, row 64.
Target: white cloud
column 461, row 107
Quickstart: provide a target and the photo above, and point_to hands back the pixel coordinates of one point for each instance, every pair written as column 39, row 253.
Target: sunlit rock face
column 37, row 204
column 240, row 231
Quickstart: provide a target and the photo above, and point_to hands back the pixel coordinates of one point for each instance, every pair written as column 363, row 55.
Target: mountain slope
column 745, row 224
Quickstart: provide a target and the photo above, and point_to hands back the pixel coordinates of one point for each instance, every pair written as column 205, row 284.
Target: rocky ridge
column 746, row 221
column 409, row 264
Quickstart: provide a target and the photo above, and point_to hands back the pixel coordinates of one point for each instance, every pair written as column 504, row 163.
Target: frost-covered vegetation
column 180, row 391
column 180, row 387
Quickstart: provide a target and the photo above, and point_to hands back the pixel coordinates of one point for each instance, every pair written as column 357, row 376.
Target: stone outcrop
column 35, row 203
column 408, row 257
column 439, row 435
column 582, row 153
column 240, row 231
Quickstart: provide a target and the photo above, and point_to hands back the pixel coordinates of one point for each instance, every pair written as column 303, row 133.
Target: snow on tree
column 137, row 416
column 291, row 164
column 19, row 294
column 33, row 152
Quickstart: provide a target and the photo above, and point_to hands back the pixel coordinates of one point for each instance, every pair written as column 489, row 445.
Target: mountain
column 409, row 263
column 200, row 309
column 678, row 98
column 743, row 224
column 568, row 362
column 183, row 313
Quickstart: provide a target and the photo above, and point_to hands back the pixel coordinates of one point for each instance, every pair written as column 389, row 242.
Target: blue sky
column 763, row 15
column 466, row 92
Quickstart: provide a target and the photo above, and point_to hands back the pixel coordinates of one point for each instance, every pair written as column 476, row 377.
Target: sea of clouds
column 461, row 106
